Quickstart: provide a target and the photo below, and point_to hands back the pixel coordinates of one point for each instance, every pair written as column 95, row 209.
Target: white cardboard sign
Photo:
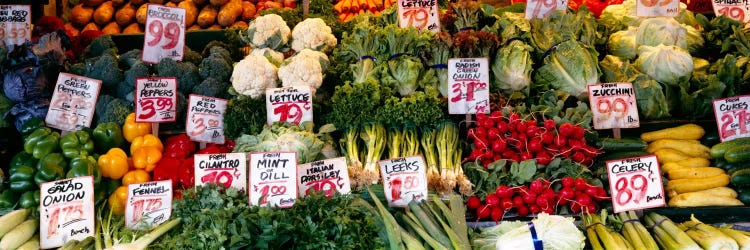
column 290, row 104
column 328, row 176
column 164, row 33
column 15, row 24
column 657, row 8
column 229, row 170
column 205, row 119
column 72, row 105
column 156, row 99
column 66, row 211
column 149, row 204
column 614, row 105
column 419, row 14
column 404, row 180
column 469, row 80
column 737, row 10
column 542, row 8
column 732, row 117
column 273, row 179
column 635, row 183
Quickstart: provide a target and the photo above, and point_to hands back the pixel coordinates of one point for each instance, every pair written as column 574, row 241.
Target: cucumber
column 738, row 154
column 741, row 178
column 623, row 155
column 718, row 150
column 621, row 145
column 736, row 167
column 721, row 163
column 743, row 194
column 711, row 138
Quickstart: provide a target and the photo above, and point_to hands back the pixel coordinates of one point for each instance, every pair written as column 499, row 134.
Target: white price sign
column 156, row 99
column 614, row 105
column 542, row 8
column 635, row 183
column 273, row 179
column 290, row 104
column 165, row 33
column 732, row 9
column 419, row 14
column 205, row 119
column 73, row 101
column 66, row 211
column 228, row 170
column 468, row 79
column 15, row 24
column 328, row 176
column 657, row 8
column 149, row 204
column 404, row 180
column 732, row 117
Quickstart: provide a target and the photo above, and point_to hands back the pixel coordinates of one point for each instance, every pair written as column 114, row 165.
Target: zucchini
column 741, row 178
column 691, row 185
column 683, row 132
column 738, row 154
column 718, row 150
column 622, row 145
column 623, row 155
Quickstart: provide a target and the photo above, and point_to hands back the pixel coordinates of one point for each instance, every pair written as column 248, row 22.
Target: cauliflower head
column 268, row 31
column 314, row 34
column 253, row 75
column 304, row 69
column 275, row 57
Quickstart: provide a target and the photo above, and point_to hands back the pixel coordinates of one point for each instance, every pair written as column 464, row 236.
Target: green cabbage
column 695, row 39
column 286, row 138
column 570, row 68
column 670, row 65
column 652, row 103
column 661, row 30
column 512, row 67
column 622, row 43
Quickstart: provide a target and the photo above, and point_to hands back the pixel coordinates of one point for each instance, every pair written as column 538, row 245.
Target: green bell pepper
column 106, row 136
column 41, row 142
column 22, row 178
column 84, row 166
column 31, row 125
column 50, row 168
column 77, row 143
column 23, row 158
column 8, row 199
column 29, row 199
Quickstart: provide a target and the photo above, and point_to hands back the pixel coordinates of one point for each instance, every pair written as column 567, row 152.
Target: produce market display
column 327, row 125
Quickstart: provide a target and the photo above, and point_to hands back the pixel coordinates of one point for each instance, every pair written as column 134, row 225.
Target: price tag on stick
column 273, row 179
column 229, row 170
column 205, row 119
column 635, row 183
column 468, row 79
column 165, row 33
column 15, row 24
column 732, row 117
column 404, row 180
column 419, row 14
column 72, row 105
column 657, row 8
column 149, row 204
column 328, row 176
column 732, row 9
column 66, row 211
column 290, row 104
column 614, row 105
column 156, row 99
column 542, row 8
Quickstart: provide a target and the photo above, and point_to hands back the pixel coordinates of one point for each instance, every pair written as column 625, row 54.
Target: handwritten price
column 625, row 186
column 398, row 184
column 417, row 17
column 143, row 206
column 327, row 186
column 200, row 126
column 152, row 105
column 270, row 190
column 68, row 214
column 733, row 12
column 618, row 106
column 548, row 5
column 289, row 111
column 221, row 177
column 13, row 33
column 728, row 119
column 171, row 32
column 471, row 87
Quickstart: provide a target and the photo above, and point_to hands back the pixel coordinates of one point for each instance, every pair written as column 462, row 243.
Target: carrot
column 361, row 12
column 353, row 6
column 339, row 7
column 363, row 4
column 387, row 3
column 342, row 16
column 378, row 3
column 376, row 13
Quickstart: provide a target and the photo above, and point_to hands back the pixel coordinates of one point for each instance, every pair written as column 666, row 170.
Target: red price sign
column 635, row 183
column 273, row 179
column 542, row 8
column 72, row 104
column 732, row 117
column 66, row 211
column 165, row 33
column 328, row 176
column 404, row 180
column 290, row 104
column 15, row 24
column 228, row 170
column 613, row 105
column 156, row 99
column 468, row 79
column 657, row 8
column 419, row 14
column 205, row 119
column 149, row 204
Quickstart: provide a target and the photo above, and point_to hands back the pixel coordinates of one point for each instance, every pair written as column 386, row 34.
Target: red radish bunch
column 514, row 138
column 538, row 197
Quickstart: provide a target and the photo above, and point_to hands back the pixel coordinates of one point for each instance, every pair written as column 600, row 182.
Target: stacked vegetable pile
column 732, row 157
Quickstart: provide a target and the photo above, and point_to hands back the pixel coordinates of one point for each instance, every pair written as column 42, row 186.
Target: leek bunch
column 374, row 136
column 449, row 160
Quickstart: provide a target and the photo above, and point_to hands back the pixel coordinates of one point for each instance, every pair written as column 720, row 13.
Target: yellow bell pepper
column 135, row 176
column 132, row 129
column 147, row 140
column 146, row 158
column 117, row 200
column 113, row 164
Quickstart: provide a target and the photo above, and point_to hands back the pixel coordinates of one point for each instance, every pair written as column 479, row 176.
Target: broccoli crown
column 101, row 104
column 211, row 87
column 99, row 46
column 192, row 56
column 185, row 72
column 244, row 115
column 130, row 58
column 221, row 51
column 125, row 91
column 78, row 69
column 106, row 70
column 139, row 69
column 167, row 67
column 215, row 66
column 207, row 49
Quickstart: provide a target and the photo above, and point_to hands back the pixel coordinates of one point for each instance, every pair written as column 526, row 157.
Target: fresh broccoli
column 139, row 69
column 99, row 46
column 224, row 53
column 244, row 115
column 192, row 56
column 105, row 69
column 101, row 104
column 78, row 69
column 125, row 91
column 186, row 73
column 117, row 111
column 207, row 49
column 130, row 58
column 215, row 66
column 211, row 87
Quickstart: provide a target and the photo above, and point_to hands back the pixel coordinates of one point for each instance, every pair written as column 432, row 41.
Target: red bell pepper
column 186, row 174
column 179, row 147
column 168, row 169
